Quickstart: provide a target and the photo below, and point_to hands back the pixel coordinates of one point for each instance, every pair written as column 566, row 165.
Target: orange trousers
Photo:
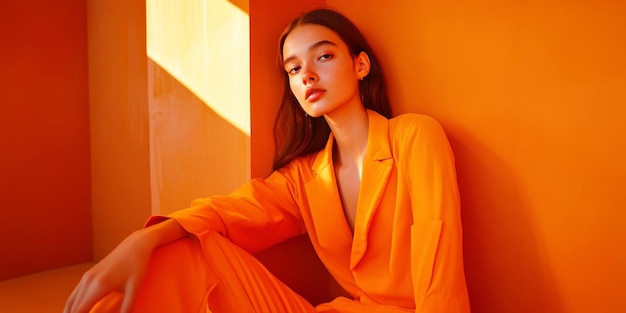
column 182, row 278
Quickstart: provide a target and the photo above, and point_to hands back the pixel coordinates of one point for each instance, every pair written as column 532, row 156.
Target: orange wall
column 118, row 96
column 44, row 136
column 532, row 94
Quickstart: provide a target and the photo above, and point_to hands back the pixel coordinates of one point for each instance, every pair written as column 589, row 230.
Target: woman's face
column 323, row 75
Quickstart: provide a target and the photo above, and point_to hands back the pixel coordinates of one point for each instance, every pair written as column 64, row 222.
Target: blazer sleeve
column 256, row 216
column 436, row 234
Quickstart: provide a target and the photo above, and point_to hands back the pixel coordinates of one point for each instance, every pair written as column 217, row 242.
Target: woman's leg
column 243, row 284
column 182, row 277
column 176, row 281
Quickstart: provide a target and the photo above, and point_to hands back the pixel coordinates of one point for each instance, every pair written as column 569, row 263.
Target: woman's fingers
column 119, row 273
column 110, row 303
column 75, row 299
column 129, row 299
column 70, row 301
column 87, row 293
column 82, row 299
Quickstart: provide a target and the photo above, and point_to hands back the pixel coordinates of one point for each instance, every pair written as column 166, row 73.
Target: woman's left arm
column 436, row 234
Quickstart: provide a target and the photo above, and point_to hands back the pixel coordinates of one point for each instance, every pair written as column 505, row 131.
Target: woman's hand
column 123, row 269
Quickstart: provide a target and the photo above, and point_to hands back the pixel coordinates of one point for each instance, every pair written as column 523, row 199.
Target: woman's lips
column 314, row 94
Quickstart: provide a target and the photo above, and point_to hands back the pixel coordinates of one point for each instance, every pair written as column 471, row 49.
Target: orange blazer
column 406, row 250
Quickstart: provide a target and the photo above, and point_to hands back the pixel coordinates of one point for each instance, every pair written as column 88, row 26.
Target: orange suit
column 405, row 254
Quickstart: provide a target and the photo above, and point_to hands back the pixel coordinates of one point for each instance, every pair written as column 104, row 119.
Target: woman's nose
column 309, row 77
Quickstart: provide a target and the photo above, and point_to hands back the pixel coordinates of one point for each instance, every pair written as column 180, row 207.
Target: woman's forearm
column 162, row 233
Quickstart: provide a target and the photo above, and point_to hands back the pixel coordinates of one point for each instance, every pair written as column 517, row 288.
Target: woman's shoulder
column 411, row 130
column 413, row 122
column 300, row 166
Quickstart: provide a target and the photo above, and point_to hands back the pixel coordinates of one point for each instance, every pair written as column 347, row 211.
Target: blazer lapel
column 330, row 226
column 376, row 172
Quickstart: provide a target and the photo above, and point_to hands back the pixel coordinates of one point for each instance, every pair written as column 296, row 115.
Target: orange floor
column 40, row 292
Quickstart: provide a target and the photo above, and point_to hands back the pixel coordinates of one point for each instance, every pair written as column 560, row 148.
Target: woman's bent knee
column 176, row 279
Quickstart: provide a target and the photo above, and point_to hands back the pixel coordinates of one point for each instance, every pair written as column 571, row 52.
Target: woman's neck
column 349, row 126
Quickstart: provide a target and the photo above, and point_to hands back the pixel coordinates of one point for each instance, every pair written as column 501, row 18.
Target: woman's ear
column 362, row 65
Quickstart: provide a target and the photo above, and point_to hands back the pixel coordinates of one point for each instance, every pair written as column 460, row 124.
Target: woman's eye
column 293, row 70
column 325, row 56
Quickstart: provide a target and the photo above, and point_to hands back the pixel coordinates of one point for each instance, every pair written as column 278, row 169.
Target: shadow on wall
column 515, row 279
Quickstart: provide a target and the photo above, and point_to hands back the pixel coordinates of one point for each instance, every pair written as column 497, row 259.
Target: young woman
column 377, row 196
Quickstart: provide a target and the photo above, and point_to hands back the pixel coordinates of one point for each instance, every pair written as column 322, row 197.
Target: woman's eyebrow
column 312, row 47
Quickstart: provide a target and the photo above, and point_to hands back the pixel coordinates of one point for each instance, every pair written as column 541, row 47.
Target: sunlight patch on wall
column 205, row 45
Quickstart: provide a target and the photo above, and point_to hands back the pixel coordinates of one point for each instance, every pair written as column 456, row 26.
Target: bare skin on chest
column 348, row 157
column 348, row 176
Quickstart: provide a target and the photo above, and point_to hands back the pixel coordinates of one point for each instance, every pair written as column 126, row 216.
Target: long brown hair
column 296, row 133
